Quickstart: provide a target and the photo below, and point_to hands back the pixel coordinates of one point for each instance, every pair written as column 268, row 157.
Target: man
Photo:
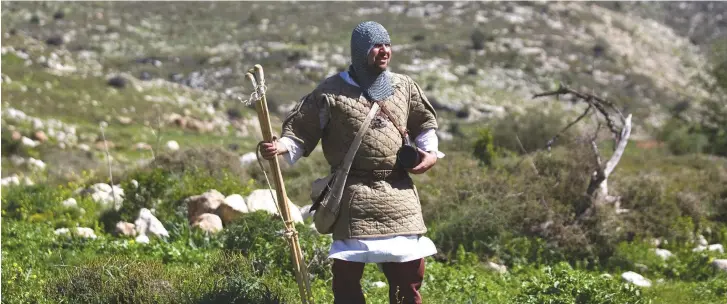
column 380, row 219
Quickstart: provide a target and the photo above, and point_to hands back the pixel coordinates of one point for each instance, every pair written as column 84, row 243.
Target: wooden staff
column 301, row 269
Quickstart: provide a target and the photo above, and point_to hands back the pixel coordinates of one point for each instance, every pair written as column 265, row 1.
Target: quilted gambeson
column 369, row 208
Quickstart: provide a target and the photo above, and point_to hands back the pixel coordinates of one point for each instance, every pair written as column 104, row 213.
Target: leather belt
column 378, row 174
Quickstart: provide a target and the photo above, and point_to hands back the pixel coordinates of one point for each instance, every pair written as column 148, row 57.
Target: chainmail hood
column 376, row 85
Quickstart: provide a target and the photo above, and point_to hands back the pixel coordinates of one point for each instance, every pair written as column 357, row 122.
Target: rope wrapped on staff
column 257, row 79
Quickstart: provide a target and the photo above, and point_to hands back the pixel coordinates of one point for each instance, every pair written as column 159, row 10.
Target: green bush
column 259, row 235
column 563, row 284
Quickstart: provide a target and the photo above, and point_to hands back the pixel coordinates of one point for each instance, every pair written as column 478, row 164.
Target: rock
column 208, row 222
column 29, row 142
column 636, row 279
column 497, row 267
column 124, row 120
column 305, row 212
column 248, row 158
column 231, row 207
column 172, row 145
column 261, row 199
column 40, row 136
column 117, row 82
column 16, row 135
column 101, row 187
column 142, row 146
column 101, row 193
column 17, row 160
column 70, row 203
column 83, row 232
column 147, row 223
column 379, row 284
column 207, row 202
column 36, row 164
column 716, row 247
column 142, row 239
column 607, row 276
column 663, row 253
column 125, row 229
column 720, row 264
column 702, row 241
column 11, row 181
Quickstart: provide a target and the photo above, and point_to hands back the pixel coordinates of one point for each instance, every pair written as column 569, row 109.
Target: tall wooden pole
column 301, row 269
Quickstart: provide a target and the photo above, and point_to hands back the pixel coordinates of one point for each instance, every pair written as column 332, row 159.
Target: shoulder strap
column 348, row 159
column 332, row 201
column 402, row 131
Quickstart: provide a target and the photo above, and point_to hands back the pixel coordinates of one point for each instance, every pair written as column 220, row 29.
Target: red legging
column 405, row 279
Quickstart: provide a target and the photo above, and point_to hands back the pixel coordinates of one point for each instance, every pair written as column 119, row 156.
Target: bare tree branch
column 599, row 178
column 599, row 103
column 552, row 140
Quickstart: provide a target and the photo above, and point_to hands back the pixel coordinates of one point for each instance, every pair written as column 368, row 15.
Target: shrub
column 563, row 284
column 259, row 236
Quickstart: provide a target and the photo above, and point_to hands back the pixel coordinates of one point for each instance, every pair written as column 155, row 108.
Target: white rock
column 79, row 231
column 720, row 264
column 85, row 232
column 208, row 222
column 497, row 267
column 101, row 187
column 636, row 279
column 84, row 147
column 11, row 180
column 147, row 223
column 172, row 145
column 36, row 164
column 305, row 211
column 29, row 142
column 125, row 229
column 663, row 253
column 379, row 284
column 17, row 160
column 265, row 199
column 702, row 241
column 232, row 206
column 262, row 199
column 142, row 239
column 716, row 247
column 248, row 158
column 70, row 203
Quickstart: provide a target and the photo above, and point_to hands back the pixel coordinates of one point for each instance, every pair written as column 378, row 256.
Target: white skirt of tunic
column 382, row 250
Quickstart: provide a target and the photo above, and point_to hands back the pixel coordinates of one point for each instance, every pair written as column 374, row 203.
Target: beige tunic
column 370, row 207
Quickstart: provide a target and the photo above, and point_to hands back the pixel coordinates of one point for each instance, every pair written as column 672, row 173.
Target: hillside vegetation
column 129, row 173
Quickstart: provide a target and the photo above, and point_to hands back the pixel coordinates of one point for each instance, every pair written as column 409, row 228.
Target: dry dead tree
column 598, row 186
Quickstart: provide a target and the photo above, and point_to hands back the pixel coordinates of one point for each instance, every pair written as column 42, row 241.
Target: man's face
column 379, row 56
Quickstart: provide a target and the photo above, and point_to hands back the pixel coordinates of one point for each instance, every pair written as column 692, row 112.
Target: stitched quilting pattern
column 368, row 208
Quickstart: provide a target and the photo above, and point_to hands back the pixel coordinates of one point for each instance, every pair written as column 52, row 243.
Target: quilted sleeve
column 421, row 113
column 302, row 124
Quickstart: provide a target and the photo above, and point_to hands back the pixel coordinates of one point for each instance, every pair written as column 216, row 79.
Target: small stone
column 70, row 203
column 636, row 279
column 172, row 145
column 663, row 253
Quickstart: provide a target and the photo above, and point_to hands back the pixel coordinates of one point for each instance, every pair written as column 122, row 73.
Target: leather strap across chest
column 404, row 132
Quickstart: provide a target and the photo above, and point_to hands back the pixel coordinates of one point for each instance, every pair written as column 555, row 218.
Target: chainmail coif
column 376, row 85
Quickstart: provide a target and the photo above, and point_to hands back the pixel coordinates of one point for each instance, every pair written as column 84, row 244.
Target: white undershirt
column 401, row 248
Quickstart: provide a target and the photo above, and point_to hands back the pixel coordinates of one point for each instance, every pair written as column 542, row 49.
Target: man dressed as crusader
column 380, row 219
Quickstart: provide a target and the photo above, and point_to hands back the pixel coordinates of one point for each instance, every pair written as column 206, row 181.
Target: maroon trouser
column 404, row 279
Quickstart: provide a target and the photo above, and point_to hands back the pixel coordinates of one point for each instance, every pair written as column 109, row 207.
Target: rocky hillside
column 69, row 66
